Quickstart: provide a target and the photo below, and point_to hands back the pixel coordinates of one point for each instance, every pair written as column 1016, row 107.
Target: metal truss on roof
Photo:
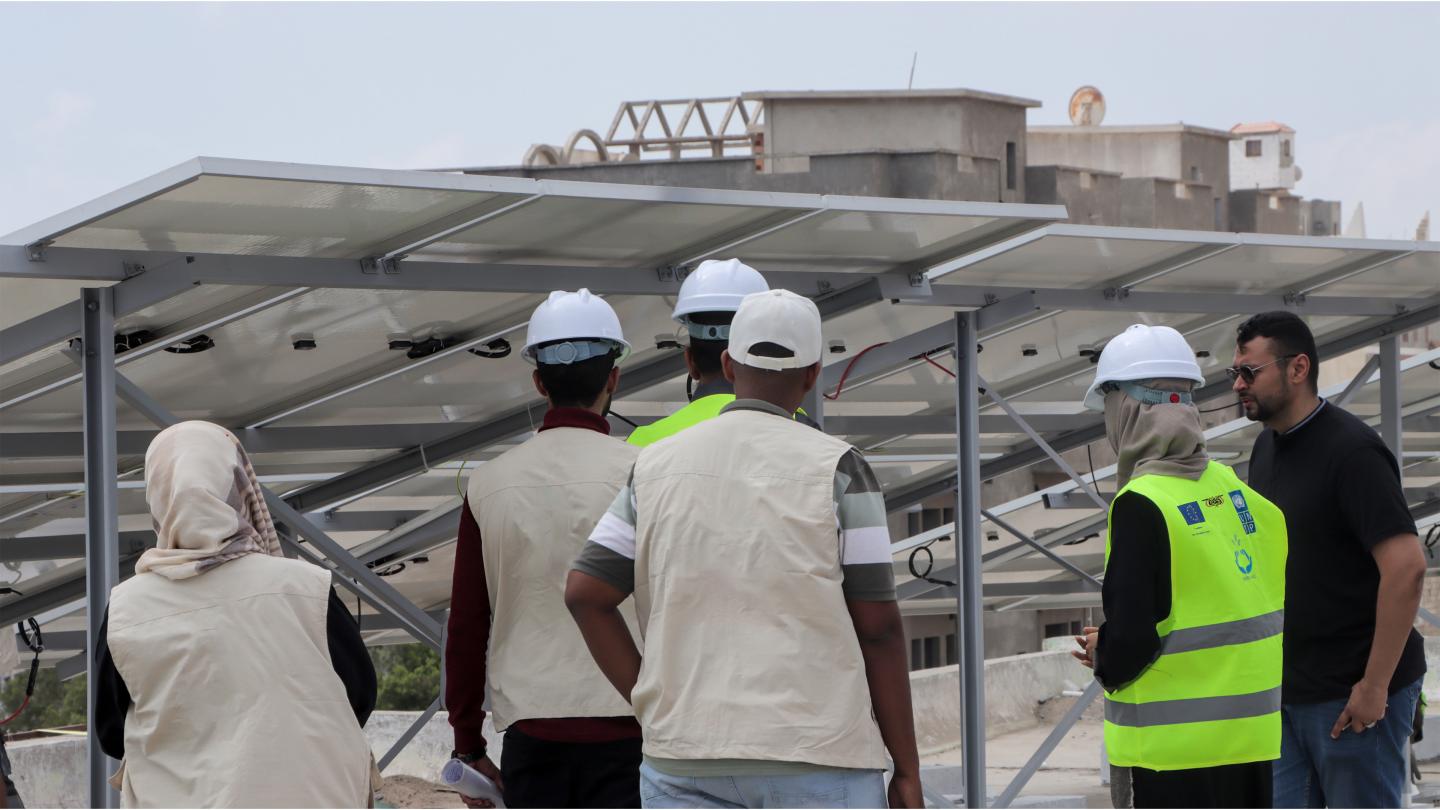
column 350, row 325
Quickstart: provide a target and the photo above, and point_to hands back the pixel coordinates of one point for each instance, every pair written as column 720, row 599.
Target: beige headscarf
column 205, row 501
column 1154, row 439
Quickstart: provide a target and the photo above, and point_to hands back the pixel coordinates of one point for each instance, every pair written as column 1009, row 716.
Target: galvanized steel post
column 969, row 619
column 102, row 535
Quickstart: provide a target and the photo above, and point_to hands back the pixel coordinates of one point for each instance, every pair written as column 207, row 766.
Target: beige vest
column 750, row 651
column 236, row 701
column 536, row 505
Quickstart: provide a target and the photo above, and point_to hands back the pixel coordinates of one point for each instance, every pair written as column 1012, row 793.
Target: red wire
column 937, row 365
column 844, row 375
column 23, row 704
column 840, row 386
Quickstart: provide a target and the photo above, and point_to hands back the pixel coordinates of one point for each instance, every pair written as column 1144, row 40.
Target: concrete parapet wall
column 51, row 772
column 1014, row 687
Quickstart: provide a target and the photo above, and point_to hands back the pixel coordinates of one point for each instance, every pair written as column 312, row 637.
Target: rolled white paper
column 470, row 782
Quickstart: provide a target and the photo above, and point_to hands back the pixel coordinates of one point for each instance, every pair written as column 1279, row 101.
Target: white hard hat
column 780, row 317
column 716, row 286
column 584, row 325
column 1143, row 353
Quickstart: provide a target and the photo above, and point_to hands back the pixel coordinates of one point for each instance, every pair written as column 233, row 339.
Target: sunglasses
column 1248, row 372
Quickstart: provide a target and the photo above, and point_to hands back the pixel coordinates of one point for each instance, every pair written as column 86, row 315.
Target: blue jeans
column 1357, row 770
column 825, row 787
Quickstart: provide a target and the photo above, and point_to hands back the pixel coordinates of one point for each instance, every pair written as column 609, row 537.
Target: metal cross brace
column 1052, row 556
column 1042, row 444
column 365, row 582
column 409, row 734
column 1048, row 746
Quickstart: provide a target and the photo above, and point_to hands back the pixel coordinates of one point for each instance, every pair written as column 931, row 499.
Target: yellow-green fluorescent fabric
column 1212, row 697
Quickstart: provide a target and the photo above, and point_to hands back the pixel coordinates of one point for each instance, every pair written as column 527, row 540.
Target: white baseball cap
column 780, row 317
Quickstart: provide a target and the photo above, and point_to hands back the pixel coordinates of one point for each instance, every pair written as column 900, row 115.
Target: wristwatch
column 469, row 758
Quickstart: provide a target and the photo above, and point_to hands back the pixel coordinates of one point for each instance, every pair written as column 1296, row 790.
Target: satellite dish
column 1087, row 107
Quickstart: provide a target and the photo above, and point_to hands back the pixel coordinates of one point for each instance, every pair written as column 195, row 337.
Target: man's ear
column 539, row 386
column 614, row 381
column 727, row 366
column 812, row 377
column 690, row 364
column 1299, row 369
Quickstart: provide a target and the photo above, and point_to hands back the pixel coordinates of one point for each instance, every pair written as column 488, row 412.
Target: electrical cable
column 623, row 419
column 844, row 375
column 937, row 365
column 37, row 646
column 929, row 565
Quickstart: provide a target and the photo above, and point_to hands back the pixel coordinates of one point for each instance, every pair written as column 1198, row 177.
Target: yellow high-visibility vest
column 1213, row 696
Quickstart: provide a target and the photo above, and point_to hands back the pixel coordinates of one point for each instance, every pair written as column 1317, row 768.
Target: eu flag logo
column 1192, row 513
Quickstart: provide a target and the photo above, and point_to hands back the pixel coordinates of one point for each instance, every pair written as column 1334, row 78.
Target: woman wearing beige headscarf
column 229, row 675
column 1194, row 593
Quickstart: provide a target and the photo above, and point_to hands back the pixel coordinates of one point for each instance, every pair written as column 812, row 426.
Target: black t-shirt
column 1339, row 487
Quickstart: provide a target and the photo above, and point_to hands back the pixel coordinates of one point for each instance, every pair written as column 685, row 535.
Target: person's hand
column 1087, row 643
column 1365, row 708
column 905, row 791
column 488, row 770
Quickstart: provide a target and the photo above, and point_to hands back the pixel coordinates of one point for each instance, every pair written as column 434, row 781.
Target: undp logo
column 1238, row 499
column 1244, row 562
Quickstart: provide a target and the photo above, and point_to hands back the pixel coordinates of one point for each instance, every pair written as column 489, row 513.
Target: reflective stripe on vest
column 1223, row 634
column 1194, row 710
column 1212, row 697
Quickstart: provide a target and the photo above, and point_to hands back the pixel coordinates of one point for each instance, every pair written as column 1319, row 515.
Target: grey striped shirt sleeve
column 865, row 557
column 609, row 554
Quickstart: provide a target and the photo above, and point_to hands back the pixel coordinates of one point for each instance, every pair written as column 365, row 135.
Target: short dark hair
column 1289, row 334
column 706, row 353
column 577, row 385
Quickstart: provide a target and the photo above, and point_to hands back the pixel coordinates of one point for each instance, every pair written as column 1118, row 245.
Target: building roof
column 1138, row 129
column 951, row 92
column 1260, row 128
column 1068, row 168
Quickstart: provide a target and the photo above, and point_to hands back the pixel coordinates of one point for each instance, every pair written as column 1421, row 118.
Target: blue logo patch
column 1243, row 561
column 1192, row 513
column 1237, row 498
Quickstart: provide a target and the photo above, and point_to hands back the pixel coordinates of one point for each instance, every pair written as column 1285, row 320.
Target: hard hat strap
column 708, row 331
column 568, row 352
column 1152, row 396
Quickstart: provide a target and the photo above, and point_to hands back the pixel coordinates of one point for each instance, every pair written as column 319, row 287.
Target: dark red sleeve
column 467, row 638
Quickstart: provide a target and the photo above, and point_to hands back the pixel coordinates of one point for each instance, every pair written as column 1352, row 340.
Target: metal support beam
column 363, row 579
column 1047, row 747
column 969, row 605
column 1072, row 500
column 102, row 558
column 72, row 666
column 409, row 735
column 1047, row 553
column 1358, row 381
column 1043, row 445
column 1391, row 428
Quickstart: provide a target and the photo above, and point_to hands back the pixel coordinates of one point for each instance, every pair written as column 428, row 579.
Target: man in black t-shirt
column 1353, row 661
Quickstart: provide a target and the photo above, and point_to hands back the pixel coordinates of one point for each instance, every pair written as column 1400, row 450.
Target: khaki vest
column 536, row 506
column 235, row 700
column 750, row 651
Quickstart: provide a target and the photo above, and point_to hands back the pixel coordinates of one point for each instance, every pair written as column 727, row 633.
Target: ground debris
column 412, row 791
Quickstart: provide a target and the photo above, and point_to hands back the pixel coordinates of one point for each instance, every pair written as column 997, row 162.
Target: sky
column 96, row 96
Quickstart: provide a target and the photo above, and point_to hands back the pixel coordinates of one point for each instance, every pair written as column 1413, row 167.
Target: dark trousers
column 543, row 773
column 1247, row 785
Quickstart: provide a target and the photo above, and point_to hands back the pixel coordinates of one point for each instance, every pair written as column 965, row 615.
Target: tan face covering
column 205, row 501
column 1154, row 439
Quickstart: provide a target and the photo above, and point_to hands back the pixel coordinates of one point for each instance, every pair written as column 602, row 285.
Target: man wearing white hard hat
column 707, row 303
column 1194, row 592
column 775, row 670
column 570, row 741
